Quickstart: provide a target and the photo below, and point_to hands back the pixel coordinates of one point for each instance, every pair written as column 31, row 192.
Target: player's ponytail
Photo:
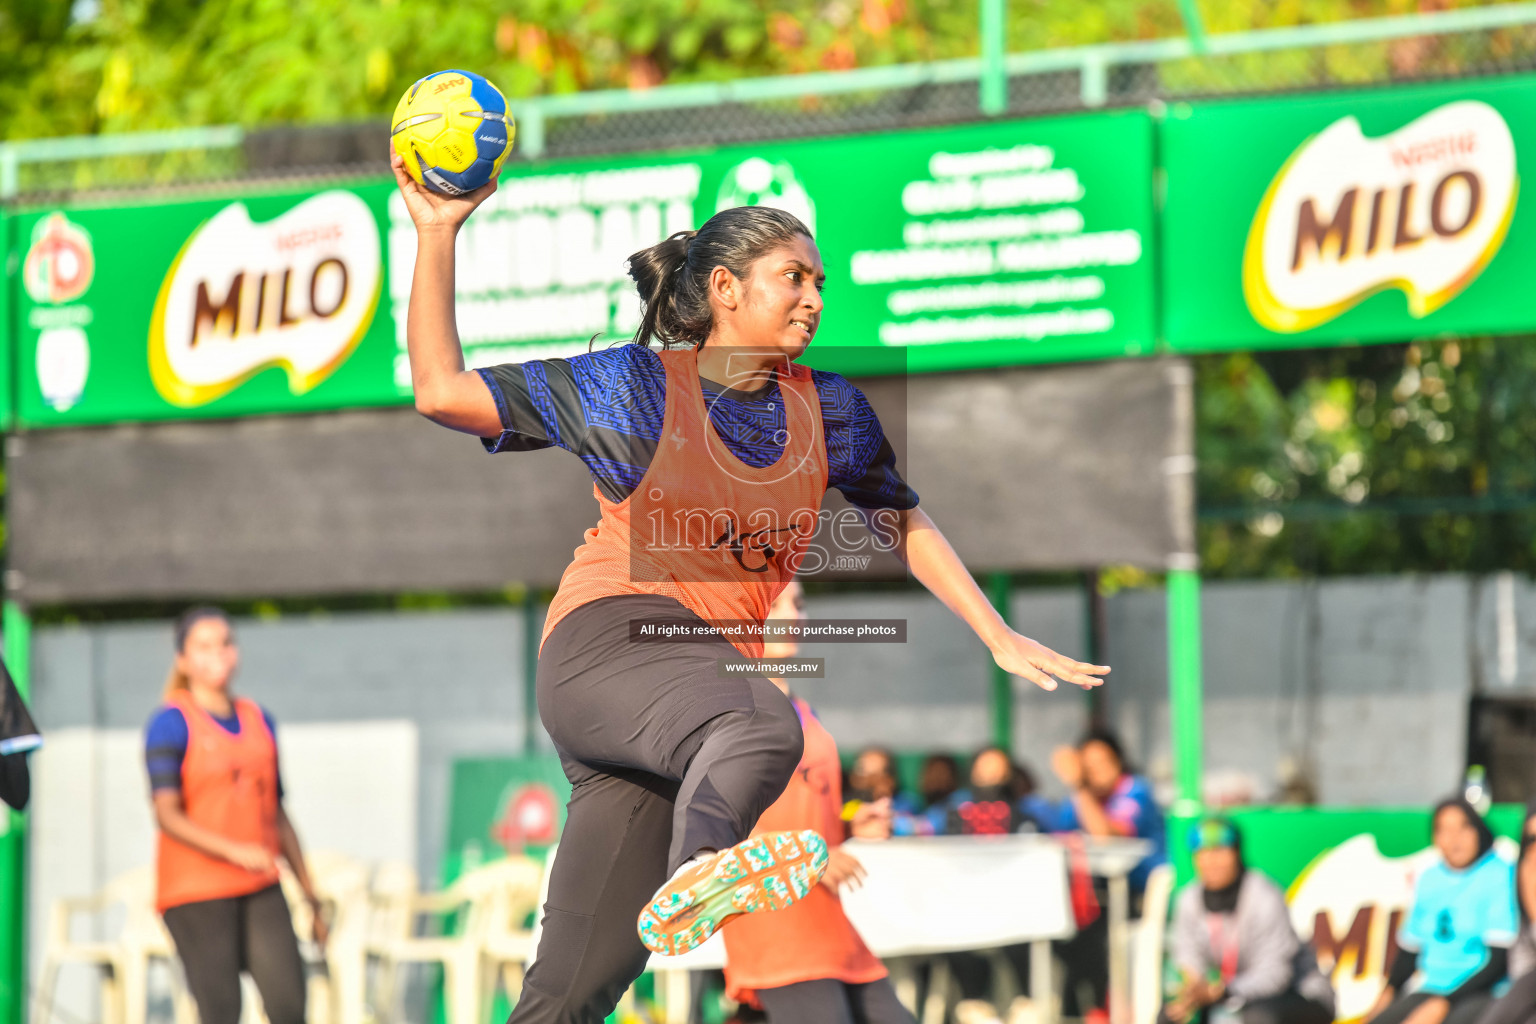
column 672, row 276
column 655, row 272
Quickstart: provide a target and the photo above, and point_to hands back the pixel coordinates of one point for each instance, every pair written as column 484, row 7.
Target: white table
column 1113, row 860
column 935, row 894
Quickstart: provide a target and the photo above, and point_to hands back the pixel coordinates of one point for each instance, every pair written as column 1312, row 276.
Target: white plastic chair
column 1147, row 937
column 508, row 945
column 337, row 975
column 391, row 893
column 480, row 895
column 123, row 962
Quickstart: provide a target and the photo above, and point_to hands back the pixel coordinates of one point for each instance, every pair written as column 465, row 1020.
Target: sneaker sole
column 767, row 872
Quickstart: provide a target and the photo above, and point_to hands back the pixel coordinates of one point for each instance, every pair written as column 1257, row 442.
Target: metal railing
column 1093, row 65
column 862, row 99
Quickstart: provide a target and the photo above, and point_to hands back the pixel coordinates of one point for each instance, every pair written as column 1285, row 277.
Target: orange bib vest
column 814, row 938
column 702, row 527
column 228, row 786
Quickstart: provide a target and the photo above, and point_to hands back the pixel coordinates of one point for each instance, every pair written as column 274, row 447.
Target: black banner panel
column 1029, row 468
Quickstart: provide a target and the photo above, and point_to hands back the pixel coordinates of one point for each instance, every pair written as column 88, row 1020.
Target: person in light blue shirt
column 1458, row 933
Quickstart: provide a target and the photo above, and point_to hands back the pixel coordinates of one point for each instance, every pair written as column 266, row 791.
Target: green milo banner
column 214, row 307
column 958, row 247
column 1368, row 216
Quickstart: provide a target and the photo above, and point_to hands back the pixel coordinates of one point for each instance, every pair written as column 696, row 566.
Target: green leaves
column 141, row 64
column 1419, row 457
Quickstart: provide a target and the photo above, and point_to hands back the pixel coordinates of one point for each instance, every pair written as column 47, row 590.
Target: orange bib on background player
column 228, row 786
column 813, row 939
column 704, row 528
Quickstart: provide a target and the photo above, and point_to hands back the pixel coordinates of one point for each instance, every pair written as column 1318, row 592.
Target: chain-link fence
column 1069, row 80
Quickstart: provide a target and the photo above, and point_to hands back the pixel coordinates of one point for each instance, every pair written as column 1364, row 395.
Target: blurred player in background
column 671, row 759
column 218, row 800
column 808, row 965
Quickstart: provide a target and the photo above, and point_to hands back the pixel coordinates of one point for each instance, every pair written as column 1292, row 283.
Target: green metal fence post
column 1185, row 700
column 17, row 637
column 529, row 116
column 10, row 171
column 994, row 47
column 1194, row 26
column 999, row 586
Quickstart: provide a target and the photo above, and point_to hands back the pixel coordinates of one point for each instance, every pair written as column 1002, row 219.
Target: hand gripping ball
column 453, row 131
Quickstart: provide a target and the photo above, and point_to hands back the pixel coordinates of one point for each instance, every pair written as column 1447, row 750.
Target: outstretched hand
column 1021, row 656
column 429, row 209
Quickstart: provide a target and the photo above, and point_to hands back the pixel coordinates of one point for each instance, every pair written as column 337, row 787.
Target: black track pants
column 217, row 939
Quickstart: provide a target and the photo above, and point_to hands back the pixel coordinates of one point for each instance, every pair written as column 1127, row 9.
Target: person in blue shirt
column 1459, row 930
column 1107, row 800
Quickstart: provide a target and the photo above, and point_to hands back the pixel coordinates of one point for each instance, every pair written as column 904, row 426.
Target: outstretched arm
column 445, row 392
column 935, row 564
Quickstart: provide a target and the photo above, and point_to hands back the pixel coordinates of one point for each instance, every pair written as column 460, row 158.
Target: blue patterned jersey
column 607, row 407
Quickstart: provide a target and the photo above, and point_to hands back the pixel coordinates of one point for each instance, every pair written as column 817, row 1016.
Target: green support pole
column 1185, row 702
column 1094, row 631
column 17, row 637
column 994, row 47
column 530, row 673
column 998, row 588
column 1194, row 25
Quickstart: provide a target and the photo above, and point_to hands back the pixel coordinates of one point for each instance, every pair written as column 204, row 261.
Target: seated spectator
column 872, row 781
column 1459, row 930
column 1107, row 800
column 1518, row 1005
column 1234, row 945
column 938, row 778
column 990, row 805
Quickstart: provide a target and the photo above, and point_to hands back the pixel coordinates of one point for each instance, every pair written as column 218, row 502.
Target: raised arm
column 445, row 392
column 937, row 567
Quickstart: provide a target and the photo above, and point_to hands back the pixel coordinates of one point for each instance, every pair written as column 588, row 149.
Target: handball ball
column 453, row 131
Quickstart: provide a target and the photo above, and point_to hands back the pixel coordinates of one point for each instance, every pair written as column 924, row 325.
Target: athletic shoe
column 767, row 872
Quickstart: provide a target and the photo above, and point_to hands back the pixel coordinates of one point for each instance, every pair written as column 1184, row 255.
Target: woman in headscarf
column 1234, row 945
column 1460, row 929
column 1518, row 1005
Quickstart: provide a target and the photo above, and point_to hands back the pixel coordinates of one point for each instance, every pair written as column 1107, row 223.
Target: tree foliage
column 124, row 65
column 1397, row 458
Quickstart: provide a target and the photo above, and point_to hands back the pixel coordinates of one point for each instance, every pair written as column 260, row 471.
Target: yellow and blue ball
column 453, row 131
